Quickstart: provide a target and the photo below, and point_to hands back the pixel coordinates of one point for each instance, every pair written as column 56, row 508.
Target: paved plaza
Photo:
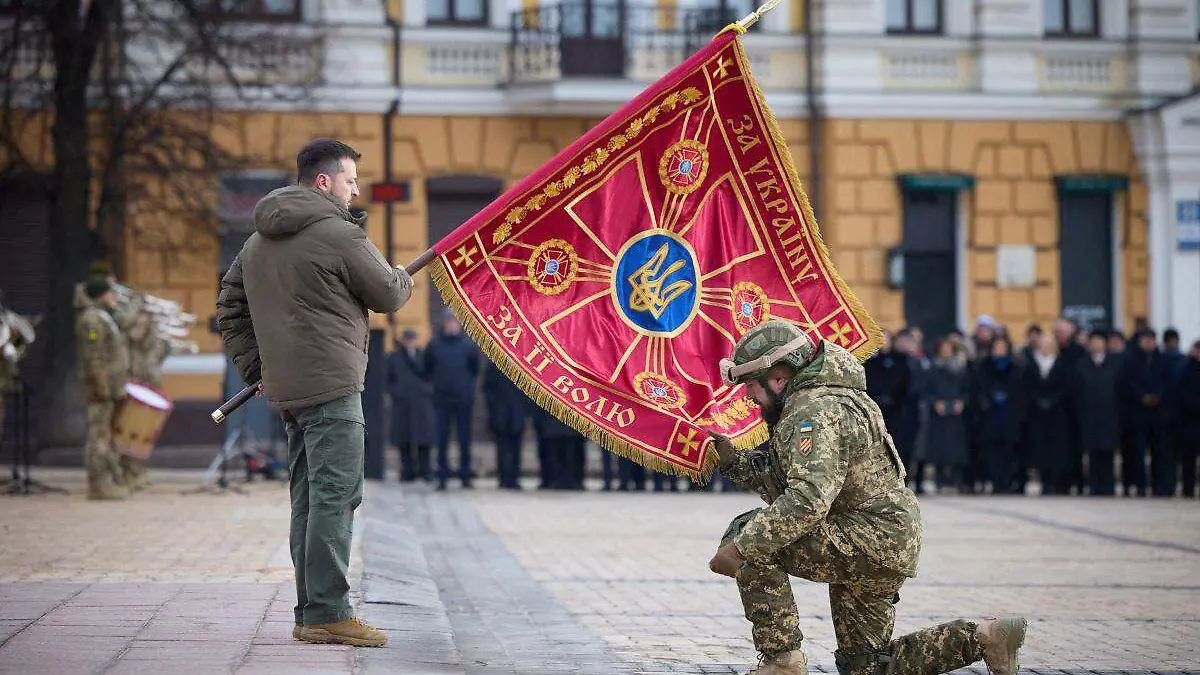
column 486, row 581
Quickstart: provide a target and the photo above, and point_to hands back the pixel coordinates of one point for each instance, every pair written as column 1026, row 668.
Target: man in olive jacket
column 293, row 313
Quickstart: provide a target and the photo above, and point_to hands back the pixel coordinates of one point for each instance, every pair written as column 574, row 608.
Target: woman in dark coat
column 414, row 430
column 947, row 390
column 998, row 412
column 1047, row 384
column 1098, row 412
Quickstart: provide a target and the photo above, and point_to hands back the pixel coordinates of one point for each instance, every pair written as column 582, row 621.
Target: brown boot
column 353, row 632
column 107, row 492
column 296, row 631
column 1000, row 639
column 787, row 663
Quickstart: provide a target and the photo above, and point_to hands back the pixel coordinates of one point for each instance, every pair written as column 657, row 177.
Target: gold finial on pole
column 752, row 18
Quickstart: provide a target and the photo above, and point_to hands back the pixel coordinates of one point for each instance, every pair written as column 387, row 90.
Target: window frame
column 452, row 19
column 257, row 13
column 1068, row 32
column 910, row 26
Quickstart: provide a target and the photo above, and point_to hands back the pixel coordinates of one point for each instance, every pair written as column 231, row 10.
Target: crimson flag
column 609, row 283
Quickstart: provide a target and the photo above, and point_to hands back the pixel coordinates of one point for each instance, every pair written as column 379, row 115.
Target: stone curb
column 399, row 595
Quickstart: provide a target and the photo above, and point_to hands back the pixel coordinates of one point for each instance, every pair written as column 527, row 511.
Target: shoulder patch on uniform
column 805, row 427
column 805, row 446
column 92, row 335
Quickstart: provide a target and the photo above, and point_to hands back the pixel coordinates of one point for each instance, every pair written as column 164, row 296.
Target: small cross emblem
column 465, row 256
column 690, row 444
column 840, row 331
column 722, row 68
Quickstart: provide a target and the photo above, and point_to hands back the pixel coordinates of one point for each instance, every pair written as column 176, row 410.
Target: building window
column 459, row 12
column 1072, row 18
column 914, row 17
column 252, row 10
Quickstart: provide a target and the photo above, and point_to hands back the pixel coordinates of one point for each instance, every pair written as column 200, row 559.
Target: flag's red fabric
column 610, row 283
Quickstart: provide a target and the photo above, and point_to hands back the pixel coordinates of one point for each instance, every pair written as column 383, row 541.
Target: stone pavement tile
column 45, row 592
column 15, row 610
column 169, row 667
column 124, row 594
column 209, row 652
column 397, row 668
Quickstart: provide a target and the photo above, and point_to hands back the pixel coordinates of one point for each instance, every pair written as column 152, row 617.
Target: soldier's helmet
column 762, row 347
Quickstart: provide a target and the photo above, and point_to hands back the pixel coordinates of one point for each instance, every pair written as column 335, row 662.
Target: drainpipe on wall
column 814, row 110
column 389, row 118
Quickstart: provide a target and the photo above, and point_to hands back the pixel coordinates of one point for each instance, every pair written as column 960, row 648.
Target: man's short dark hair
column 1170, row 334
column 323, row 155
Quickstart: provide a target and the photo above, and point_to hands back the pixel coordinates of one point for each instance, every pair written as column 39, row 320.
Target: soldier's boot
column 354, row 632
column 106, row 491
column 296, row 631
column 1001, row 639
column 786, row 663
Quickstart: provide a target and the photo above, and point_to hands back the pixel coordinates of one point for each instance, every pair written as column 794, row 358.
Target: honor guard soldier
column 838, row 513
column 103, row 364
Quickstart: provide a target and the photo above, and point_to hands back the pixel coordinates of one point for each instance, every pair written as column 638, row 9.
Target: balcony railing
column 606, row 40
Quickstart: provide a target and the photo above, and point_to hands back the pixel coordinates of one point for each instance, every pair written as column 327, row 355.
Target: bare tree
column 134, row 89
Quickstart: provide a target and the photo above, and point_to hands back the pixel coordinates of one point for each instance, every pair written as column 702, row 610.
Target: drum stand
column 219, row 468
column 22, row 453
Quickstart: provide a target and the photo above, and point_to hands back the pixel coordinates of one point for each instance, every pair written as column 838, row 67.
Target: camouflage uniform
column 147, row 350
column 838, row 513
column 103, row 364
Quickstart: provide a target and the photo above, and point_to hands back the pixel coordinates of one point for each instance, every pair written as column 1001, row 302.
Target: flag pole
column 752, row 18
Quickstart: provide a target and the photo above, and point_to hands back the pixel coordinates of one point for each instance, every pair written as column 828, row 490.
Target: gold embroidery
column 594, row 160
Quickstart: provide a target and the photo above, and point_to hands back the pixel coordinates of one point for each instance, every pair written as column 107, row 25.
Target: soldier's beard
column 773, row 411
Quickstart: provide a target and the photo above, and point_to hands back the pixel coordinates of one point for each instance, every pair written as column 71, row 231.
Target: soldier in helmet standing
column 838, row 513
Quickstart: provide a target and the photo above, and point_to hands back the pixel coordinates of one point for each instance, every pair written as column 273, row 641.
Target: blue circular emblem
column 656, row 287
column 551, row 267
column 685, row 167
column 747, row 309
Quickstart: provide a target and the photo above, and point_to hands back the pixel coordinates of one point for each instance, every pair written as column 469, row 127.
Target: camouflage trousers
column 133, row 470
column 862, row 600
column 103, row 465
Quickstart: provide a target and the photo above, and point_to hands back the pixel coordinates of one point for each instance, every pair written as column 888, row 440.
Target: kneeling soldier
column 838, row 513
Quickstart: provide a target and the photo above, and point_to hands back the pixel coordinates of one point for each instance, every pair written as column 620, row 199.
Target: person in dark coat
column 946, row 392
column 998, row 412
column 452, row 363
column 1146, row 390
column 889, row 377
column 560, row 453
column 508, row 408
column 1189, row 414
column 413, row 425
column 910, row 425
column 1096, row 398
column 1071, row 352
column 1047, row 386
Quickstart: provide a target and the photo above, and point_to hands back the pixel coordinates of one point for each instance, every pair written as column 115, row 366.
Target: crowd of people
column 1072, row 411
column 1066, row 408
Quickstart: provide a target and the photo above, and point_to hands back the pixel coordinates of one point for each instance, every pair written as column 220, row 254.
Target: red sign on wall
column 390, row 192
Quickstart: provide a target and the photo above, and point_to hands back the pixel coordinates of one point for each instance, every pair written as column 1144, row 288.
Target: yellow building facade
column 957, row 159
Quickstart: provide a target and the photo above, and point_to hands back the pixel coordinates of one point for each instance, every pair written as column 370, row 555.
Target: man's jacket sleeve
column 814, row 451
column 381, row 287
column 237, row 330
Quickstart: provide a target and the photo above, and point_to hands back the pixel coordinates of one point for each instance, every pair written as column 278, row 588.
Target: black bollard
column 373, row 408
